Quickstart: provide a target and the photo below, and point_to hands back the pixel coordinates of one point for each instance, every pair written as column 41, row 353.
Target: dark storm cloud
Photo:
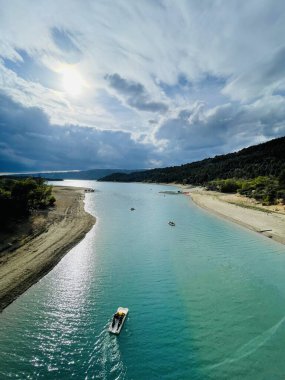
column 135, row 94
column 29, row 142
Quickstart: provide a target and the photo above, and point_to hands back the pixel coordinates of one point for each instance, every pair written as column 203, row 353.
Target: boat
column 118, row 320
column 132, row 209
column 171, row 223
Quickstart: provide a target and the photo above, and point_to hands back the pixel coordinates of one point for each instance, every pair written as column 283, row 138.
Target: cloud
column 31, row 70
column 165, row 76
column 29, row 142
column 135, row 93
column 148, row 40
column 197, row 133
column 264, row 80
column 64, row 40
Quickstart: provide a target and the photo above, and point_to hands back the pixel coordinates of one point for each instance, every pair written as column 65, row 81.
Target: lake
column 206, row 297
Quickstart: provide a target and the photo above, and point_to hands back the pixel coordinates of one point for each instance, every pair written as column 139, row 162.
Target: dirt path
column 61, row 229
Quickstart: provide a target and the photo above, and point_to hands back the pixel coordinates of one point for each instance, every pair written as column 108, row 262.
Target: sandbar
column 51, row 235
column 266, row 220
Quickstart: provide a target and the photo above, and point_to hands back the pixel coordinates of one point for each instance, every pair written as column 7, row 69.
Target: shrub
column 20, row 196
column 52, row 200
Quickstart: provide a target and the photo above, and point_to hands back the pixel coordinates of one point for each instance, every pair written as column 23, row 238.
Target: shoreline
column 61, row 229
column 239, row 210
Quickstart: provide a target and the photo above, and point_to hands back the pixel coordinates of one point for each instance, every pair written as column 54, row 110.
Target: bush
column 281, row 195
column 264, row 189
column 229, row 186
column 52, row 201
column 224, row 185
column 21, row 196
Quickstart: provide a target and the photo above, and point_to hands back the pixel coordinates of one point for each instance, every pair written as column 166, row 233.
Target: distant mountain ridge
column 92, row 174
column 266, row 159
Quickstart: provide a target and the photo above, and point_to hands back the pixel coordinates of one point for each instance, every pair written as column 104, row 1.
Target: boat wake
column 105, row 359
column 251, row 346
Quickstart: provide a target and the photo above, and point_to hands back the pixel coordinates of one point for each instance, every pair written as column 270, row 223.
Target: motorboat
column 171, row 223
column 132, row 209
column 118, row 320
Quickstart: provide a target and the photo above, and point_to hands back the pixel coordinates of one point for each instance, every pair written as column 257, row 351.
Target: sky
column 137, row 83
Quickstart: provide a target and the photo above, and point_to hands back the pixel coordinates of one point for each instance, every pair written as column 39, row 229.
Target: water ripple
column 204, row 298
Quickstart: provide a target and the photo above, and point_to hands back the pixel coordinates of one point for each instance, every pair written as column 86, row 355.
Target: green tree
column 281, row 179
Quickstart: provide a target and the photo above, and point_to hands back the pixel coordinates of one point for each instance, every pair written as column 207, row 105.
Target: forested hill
column 267, row 159
column 92, row 174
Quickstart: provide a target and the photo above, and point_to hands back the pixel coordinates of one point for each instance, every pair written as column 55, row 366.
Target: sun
column 72, row 81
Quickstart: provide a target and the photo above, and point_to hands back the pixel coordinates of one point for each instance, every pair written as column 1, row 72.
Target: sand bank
column 269, row 221
column 52, row 235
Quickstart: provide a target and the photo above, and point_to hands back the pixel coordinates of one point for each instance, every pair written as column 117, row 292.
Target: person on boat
column 121, row 317
column 115, row 318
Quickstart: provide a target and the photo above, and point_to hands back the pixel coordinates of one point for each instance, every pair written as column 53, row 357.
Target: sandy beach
column 38, row 247
column 267, row 220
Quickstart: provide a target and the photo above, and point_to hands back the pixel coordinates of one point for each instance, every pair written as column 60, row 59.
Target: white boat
column 118, row 320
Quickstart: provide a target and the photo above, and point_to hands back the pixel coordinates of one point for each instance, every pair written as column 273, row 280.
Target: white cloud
column 150, row 43
column 259, row 81
column 196, row 133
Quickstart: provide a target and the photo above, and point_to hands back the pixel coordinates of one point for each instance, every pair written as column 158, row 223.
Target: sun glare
column 72, row 81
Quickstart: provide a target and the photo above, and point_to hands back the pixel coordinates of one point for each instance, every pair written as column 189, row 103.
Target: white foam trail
column 109, row 360
column 251, row 346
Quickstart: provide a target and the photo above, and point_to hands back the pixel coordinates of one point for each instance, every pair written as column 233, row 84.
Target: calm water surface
column 206, row 298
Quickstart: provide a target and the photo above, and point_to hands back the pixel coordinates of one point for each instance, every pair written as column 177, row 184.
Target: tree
column 281, row 179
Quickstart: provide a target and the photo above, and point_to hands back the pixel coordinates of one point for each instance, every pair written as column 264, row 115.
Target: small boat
column 171, row 223
column 118, row 320
column 132, row 209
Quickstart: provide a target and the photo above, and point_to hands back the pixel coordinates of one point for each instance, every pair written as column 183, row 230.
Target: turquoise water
column 206, row 298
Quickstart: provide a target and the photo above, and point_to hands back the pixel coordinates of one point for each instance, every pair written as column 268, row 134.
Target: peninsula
column 41, row 243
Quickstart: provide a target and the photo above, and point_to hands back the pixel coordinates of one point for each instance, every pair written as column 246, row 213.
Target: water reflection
column 198, row 295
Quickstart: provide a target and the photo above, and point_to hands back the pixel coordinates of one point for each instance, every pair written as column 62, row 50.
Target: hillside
column 92, row 174
column 267, row 159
